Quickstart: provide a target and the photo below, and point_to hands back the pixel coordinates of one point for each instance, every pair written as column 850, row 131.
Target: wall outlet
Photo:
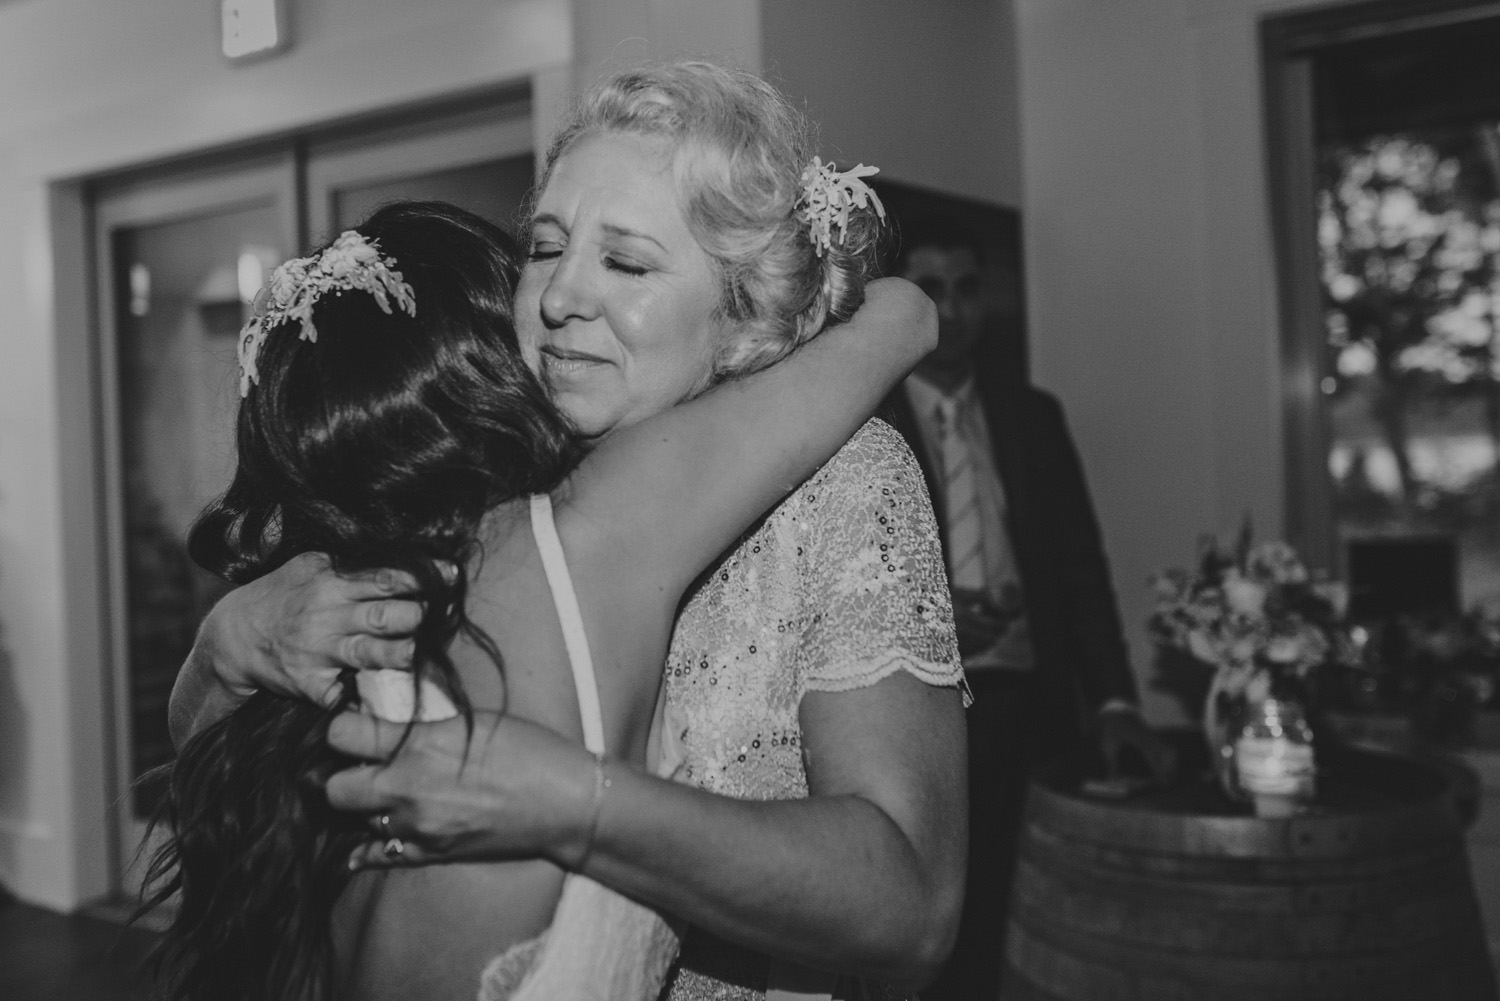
column 253, row 28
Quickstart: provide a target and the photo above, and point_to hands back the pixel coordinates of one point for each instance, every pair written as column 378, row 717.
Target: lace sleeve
column 873, row 573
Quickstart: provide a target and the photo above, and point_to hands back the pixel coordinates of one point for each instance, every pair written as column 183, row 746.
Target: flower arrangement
column 1253, row 615
column 1250, row 612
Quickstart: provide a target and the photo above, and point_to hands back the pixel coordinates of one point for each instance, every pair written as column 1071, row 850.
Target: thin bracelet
column 601, row 783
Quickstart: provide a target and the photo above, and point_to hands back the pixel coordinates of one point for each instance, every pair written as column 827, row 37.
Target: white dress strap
column 565, row 599
column 601, row 946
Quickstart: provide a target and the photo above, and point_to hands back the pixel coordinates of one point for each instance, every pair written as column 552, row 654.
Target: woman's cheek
column 531, row 354
column 529, row 329
column 636, row 324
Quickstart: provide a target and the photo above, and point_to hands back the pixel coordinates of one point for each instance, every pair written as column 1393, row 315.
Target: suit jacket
column 1070, row 603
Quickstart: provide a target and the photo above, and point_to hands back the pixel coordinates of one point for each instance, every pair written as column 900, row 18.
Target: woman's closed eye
column 544, row 251
column 625, row 266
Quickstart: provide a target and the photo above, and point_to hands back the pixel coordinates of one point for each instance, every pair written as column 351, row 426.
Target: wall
column 1150, row 277
column 90, row 87
column 927, row 92
column 613, row 34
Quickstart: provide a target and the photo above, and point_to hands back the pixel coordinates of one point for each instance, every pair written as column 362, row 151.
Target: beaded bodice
column 840, row 586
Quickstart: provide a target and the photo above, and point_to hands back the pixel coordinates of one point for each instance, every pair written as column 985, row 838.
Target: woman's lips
column 561, row 362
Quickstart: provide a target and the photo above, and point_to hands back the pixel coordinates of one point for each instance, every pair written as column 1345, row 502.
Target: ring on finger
column 394, row 848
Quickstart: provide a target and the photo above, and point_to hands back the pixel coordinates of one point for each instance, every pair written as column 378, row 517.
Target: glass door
column 183, row 257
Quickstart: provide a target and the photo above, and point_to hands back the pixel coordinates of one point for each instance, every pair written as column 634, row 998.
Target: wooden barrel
column 1178, row 896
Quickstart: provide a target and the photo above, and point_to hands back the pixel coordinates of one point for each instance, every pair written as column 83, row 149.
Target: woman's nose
column 569, row 294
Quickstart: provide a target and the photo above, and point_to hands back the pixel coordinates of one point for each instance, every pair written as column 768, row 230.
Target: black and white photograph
column 750, row 500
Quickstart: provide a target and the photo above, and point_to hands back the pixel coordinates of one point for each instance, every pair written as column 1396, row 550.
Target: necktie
column 960, row 502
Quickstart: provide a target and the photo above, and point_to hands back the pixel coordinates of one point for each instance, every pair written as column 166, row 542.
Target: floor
column 46, row 956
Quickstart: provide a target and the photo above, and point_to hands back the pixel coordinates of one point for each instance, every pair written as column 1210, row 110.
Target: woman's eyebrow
column 614, row 230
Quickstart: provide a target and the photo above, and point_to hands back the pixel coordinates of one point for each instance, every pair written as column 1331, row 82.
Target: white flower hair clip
column 828, row 196
column 351, row 262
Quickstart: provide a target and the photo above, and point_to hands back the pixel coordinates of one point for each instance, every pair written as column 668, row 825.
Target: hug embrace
column 679, row 709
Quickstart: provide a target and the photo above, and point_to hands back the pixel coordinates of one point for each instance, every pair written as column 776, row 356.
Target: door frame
column 461, row 140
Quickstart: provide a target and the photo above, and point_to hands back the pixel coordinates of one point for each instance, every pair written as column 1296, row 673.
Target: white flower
column 1202, row 647
column 828, row 196
column 357, row 248
column 343, row 267
column 1242, row 649
column 1168, row 586
column 286, row 280
column 1244, row 597
column 1336, row 593
column 1285, row 649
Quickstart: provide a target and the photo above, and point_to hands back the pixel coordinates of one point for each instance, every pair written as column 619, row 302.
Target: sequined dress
column 839, row 587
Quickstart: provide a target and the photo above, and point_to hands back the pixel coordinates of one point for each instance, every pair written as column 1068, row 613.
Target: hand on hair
column 513, row 790
column 292, row 631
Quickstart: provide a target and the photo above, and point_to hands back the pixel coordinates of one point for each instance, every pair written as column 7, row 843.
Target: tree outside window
column 1409, row 233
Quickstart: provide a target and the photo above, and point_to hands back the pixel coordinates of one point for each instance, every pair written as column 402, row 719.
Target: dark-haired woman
column 389, row 420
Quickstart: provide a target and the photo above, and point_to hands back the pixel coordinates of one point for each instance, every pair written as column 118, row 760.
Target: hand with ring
column 513, row 790
column 394, row 846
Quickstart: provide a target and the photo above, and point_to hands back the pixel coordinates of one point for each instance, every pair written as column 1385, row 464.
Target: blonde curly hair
column 739, row 148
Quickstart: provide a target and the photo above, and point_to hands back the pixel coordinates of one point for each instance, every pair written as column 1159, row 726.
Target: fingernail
column 353, row 863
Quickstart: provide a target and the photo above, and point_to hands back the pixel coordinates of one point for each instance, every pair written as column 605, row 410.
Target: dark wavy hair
column 383, row 444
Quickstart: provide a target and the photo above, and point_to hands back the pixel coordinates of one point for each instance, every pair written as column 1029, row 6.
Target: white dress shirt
column 1000, row 579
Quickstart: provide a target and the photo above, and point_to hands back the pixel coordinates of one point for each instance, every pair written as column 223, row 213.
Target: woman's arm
column 865, row 876
column 669, row 494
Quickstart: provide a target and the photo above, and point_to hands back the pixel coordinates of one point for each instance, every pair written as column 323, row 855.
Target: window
column 1384, row 127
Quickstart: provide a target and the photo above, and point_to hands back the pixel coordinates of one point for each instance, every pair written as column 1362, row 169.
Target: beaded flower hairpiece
column 829, row 195
column 352, row 262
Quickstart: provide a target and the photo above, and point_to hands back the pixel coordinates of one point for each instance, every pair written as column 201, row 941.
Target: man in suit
column 1038, row 626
